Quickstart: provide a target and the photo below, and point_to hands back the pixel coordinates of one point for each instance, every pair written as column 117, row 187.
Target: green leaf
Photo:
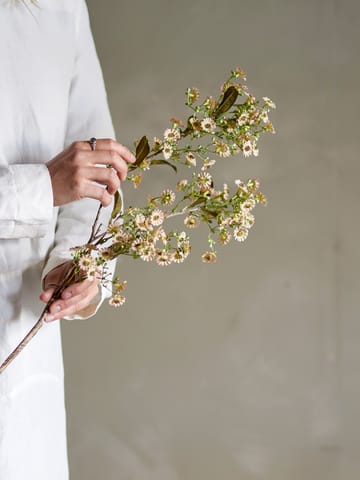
column 117, row 206
column 227, row 102
column 198, row 201
column 142, row 150
column 209, row 213
column 163, row 162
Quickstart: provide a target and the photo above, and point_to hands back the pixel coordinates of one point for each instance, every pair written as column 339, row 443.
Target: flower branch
column 216, row 129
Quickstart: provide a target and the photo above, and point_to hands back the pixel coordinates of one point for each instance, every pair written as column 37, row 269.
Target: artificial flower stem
column 24, row 341
column 95, row 228
column 68, row 277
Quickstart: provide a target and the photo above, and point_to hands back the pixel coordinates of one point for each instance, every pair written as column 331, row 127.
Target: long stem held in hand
column 40, row 322
column 24, row 341
column 95, row 227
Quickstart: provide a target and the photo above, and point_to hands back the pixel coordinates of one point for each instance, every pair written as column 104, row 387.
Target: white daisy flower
column 247, row 148
column 172, row 135
column 193, row 94
column 157, row 217
column 140, row 221
column 222, row 149
column 167, row 197
column 208, row 125
column 178, row 256
column 240, row 234
column 164, row 258
column 147, row 252
column 243, row 119
column 86, row 262
column 93, row 273
column 204, row 180
column 191, row 221
column 248, row 205
column 117, row 300
column 224, row 237
column 248, row 220
column 113, row 227
column 135, row 245
column 167, row 151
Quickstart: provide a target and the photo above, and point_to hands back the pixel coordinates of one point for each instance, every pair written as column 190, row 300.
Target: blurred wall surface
column 246, row 369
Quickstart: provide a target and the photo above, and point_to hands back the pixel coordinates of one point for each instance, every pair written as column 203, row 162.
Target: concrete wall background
column 247, row 369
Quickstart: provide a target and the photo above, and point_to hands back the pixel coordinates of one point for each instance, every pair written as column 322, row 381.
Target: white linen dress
column 51, row 94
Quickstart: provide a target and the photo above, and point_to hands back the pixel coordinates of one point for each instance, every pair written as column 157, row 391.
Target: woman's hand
column 75, row 299
column 74, row 171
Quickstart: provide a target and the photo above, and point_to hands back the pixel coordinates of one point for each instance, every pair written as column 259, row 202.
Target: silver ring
column 92, row 142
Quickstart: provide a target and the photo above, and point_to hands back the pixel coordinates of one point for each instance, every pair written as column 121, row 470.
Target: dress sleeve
column 88, row 116
column 21, row 186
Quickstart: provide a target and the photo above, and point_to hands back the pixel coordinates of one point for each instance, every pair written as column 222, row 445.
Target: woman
column 51, row 95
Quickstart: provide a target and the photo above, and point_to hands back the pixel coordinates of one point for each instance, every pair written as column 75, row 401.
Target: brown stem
column 94, row 229
column 66, row 280
column 68, row 276
column 23, row 342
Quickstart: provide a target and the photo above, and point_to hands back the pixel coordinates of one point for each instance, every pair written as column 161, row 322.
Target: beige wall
column 247, row 369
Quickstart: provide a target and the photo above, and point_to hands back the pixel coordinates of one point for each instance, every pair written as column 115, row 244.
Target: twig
column 95, row 228
column 24, row 341
column 40, row 322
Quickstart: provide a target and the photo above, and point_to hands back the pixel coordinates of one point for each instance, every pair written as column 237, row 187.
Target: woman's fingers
column 105, row 176
column 121, row 150
column 101, row 194
column 109, row 158
column 75, row 168
column 74, row 298
column 52, row 279
column 109, row 145
column 79, row 288
column 47, row 294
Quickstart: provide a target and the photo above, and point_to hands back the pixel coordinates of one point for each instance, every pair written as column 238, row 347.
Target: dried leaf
column 198, row 201
column 209, row 213
column 117, row 206
column 142, row 150
column 227, row 102
column 163, row 162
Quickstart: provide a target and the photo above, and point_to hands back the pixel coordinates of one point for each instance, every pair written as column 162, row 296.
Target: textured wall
column 246, row 369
